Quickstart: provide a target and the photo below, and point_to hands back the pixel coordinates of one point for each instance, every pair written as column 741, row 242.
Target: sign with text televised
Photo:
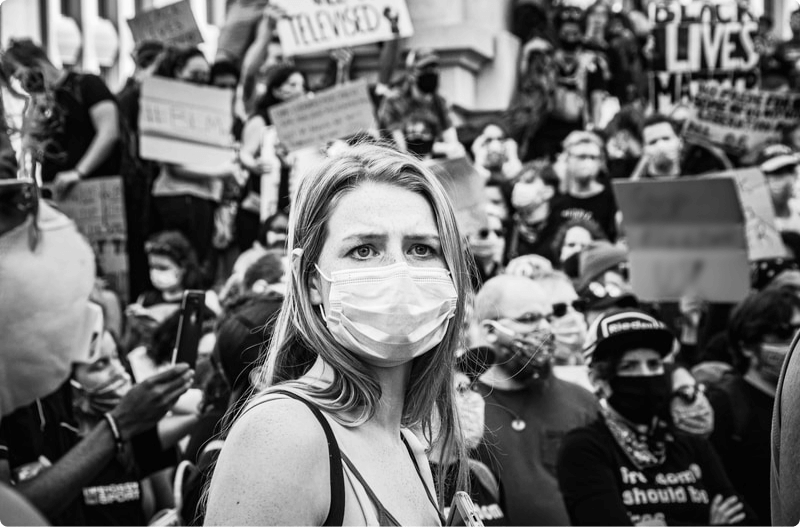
column 696, row 41
column 183, row 123
column 171, row 24
column 316, row 25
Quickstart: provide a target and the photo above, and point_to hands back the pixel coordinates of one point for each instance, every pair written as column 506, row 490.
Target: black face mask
column 640, row 399
column 419, row 147
column 428, row 82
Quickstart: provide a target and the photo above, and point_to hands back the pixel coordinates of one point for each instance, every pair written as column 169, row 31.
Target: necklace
column 517, row 423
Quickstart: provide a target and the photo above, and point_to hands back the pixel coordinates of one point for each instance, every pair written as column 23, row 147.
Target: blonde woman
column 363, row 353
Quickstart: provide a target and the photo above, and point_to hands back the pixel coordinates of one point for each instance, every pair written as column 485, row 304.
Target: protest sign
column 331, row 114
column 465, row 188
column 183, row 123
column 171, row 24
column 695, row 41
column 682, row 242
column 741, row 121
column 98, row 209
column 310, row 25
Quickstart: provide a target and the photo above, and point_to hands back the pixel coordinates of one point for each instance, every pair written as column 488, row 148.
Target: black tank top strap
column 424, row 485
column 384, row 516
column 336, row 511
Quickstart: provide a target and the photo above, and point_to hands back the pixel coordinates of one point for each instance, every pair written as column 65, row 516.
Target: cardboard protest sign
column 740, row 121
column 183, row 123
column 763, row 237
column 465, row 188
column 171, row 24
column 696, row 41
column 311, row 25
column 97, row 207
column 331, row 114
column 682, row 242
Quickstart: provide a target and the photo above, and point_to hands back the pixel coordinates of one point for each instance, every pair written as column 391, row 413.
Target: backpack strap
column 485, row 477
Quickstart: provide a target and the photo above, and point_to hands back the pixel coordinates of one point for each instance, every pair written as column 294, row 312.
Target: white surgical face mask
column 392, row 314
column 165, row 279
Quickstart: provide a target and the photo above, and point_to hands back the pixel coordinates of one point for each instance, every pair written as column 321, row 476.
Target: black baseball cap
column 622, row 330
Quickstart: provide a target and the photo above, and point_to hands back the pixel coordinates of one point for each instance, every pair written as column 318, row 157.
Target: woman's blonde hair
column 300, row 333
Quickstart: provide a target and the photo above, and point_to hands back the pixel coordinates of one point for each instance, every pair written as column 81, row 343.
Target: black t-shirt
column 75, row 97
column 741, row 437
column 600, row 208
column 47, row 429
column 601, row 486
column 484, row 489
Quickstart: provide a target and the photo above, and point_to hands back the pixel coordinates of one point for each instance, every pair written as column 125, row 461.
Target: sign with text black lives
column 330, row 114
column 697, row 41
column 184, row 123
column 741, row 121
column 171, row 24
column 683, row 243
column 97, row 207
column 318, row 25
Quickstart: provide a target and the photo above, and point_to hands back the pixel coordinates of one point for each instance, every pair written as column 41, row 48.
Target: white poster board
column 171, row 24
column 311, row 25
column 330, row 114
column 183, row 123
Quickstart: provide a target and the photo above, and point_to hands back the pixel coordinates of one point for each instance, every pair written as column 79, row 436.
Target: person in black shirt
column 760, row 332
column 630, row 467
column 585, row 197
column 74, row 117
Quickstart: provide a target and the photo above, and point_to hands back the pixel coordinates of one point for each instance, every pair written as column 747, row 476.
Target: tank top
column 339, row 470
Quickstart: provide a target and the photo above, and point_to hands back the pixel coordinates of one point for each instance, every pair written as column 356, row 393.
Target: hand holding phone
column 463, row 511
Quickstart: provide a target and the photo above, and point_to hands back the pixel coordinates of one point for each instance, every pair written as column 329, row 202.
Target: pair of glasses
column 689, row 392
column 562, row 308
column 484, row 233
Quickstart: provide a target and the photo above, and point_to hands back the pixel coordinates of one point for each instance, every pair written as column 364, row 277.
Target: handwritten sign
column 183, row 123
column 172, row 24
column 331, row 114
column 311, row 25
column 740, row 121
column 465, row 188
column 763, row 237
column 682, row 242
column 697, row 41
column 97, row 207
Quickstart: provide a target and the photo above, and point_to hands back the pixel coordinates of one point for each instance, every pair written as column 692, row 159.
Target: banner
column 701, row 40
column 183, row 123
column 171, row 24
column 97, row 207
column 312, row 25
column 741, row 121
column 683, row 243
column 330, row 114
column 465, row 188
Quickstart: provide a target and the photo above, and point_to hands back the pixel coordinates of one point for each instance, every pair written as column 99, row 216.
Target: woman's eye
column 363, row 251
column 422, row 250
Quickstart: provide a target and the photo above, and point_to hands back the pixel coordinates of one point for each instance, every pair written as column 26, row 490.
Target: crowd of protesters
column 542, row 384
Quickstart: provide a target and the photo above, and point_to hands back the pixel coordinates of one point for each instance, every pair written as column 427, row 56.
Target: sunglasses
column 484, row 233
column 562, row 308
column 688, row 393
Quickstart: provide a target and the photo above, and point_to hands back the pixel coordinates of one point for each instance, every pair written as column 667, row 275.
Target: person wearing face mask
column 623, row 143
column 667, row 155
column 417, row 117
column 760, row 332
column 362, row 352
column 528, row 409
column 495, row 154
column 186, row 196
column 630, row 466
column 173, row 270
column 73, row 121
column 568, row 323
column 531, row 197
column 488, row 246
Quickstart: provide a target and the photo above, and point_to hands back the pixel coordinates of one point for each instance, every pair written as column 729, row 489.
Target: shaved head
column 509, row 296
